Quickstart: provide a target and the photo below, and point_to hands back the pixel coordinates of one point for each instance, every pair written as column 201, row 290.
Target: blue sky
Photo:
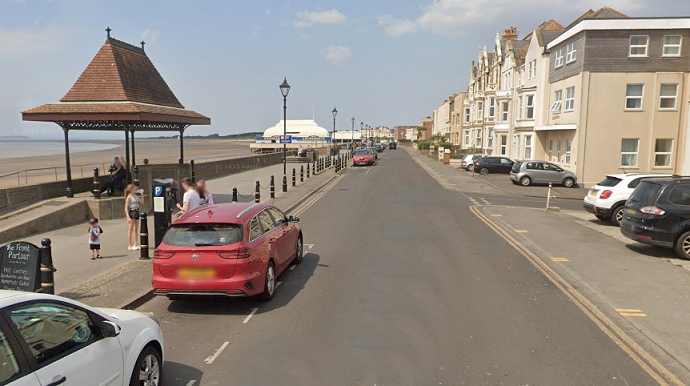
column 384, row 62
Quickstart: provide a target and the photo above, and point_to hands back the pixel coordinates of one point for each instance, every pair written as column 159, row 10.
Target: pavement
column 120, row 279
column 411, row 280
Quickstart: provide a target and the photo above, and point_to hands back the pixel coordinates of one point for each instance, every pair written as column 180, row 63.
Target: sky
column 383, row 62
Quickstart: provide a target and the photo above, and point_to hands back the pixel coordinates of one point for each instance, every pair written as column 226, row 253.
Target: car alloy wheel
column 682, row 246
column 525, row 181
column 470, row 168
column 270, row 282
column 617, row 216
column 148, row 370
column 484, row 171
column 568, row 182
column 299, row 254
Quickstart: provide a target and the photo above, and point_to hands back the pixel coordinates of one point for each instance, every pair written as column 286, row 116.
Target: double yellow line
column 316, row 198
column 650, row 365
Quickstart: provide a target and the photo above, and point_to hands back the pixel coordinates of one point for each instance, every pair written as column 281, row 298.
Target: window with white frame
column 529, row 70
column 629, row 150
column 467, row 137
column 489, row 138
column 468, row 118
column 492, row 107
column 457, row 138
column 663, row 149
column 557, row 101
column 529, row 107
column 633, row 96
column 558, row 150
column 520, row 107
column 528, row 147
column 534, row 68
column 505, row 112
column 480, row 110
column 550, row 148
column 504, row 144
column 570, row 98
column 568, row 146
column 571, row 54
column 638, row 45
column 478, row 142
column 671, row 45
column 559, row 58
column 668, row 96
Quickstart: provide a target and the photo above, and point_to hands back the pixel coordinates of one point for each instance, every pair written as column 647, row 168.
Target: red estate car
column 234, row 249
column 362, row 157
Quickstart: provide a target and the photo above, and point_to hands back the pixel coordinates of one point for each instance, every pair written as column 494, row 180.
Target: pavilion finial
column 142, row 45
column 107, row 30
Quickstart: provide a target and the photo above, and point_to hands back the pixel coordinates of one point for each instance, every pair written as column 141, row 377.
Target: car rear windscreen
column 645, row 194
column 516, row 167
column 190, row 235
column 362, row 152
column 610, row 181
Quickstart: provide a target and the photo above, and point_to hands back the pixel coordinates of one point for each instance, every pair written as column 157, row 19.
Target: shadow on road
column 652, row 251
column 292, row 282
column 179, row 374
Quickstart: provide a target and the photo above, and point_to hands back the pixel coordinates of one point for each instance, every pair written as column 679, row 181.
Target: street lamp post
column 335, row 143
column 352, row 141
column 284, row 89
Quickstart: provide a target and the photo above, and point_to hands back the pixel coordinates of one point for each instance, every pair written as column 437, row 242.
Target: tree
column 420, row 131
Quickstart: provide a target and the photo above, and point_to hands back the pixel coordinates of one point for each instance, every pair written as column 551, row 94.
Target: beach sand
column 157, row 151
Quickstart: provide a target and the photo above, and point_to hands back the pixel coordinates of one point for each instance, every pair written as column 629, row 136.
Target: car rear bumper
column 237, row 286
column 596, row 210
column 646, row 235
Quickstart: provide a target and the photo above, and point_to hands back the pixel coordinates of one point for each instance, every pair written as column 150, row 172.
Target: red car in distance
column 233, row 250
column 363, row 157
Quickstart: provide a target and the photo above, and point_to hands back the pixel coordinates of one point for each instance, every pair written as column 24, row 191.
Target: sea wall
column 22, row 196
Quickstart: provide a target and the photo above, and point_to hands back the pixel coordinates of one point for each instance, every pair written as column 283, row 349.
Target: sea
column 19, row 148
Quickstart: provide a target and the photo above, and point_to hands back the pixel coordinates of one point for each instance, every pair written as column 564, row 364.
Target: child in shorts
column 95, row 238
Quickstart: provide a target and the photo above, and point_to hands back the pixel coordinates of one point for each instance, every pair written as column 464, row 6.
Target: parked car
column 658, row 213
column 392, row 146
column 232, row 250
column 51, row 340
column 363, row 157
column 606, row 200
column 379, row 148
column 527, row 173
column 486, row 165
column 373, row 151
column 468, row 161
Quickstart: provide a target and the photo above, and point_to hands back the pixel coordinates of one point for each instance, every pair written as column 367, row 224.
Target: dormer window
column 571, row 53
column 559, row 58
column 638, row 45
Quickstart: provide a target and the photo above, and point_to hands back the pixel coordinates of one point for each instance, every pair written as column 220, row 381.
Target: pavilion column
column 134, row 161
column 182, row 146
column 127, row 165
column 68, row 166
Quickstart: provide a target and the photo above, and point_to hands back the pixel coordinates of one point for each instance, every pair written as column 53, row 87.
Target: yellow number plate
column 196, row 273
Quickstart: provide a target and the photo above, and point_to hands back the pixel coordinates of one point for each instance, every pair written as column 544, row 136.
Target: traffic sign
column 285, row 139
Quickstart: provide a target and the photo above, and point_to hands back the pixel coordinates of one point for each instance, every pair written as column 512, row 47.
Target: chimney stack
column 510, row 33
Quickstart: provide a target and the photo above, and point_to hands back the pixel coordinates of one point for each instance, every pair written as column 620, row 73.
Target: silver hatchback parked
column 527, row 173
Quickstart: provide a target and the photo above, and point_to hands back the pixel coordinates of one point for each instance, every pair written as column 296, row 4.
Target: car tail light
column 240, row 253
column 477, row 164
column 157, row 254
column 605, row 194
column 653, row 210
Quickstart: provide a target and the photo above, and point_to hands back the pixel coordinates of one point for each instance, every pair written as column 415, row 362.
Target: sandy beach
column 155, row 150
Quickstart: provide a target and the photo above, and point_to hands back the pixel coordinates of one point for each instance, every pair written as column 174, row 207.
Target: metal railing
column 53, row 173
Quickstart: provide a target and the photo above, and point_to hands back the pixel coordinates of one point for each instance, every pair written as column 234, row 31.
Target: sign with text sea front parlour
column 20, row 267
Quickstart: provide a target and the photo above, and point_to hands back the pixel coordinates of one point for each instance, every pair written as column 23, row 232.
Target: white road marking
column 191, row 383
column 213, row 357
column 292, row 267
column 250, row 315
column 486, row 202
column 309, row 246
column 368, row 170
column 278, row 283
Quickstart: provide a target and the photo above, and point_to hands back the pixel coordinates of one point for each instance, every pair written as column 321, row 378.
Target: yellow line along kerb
column 649, row 364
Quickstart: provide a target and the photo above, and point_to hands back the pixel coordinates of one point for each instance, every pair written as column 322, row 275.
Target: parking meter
column 163, row 203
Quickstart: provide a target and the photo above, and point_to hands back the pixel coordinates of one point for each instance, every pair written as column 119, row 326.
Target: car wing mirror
column 109, row 329
column 293, row 219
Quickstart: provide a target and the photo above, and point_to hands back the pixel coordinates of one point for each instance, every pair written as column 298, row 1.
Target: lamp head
column 285, row 88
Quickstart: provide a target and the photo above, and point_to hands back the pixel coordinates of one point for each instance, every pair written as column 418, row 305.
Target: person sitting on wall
column 118, row 174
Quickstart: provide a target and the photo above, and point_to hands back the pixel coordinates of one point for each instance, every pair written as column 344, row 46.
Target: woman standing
column 132, row 212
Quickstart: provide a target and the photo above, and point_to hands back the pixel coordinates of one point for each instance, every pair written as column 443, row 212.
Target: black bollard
column 313, row 168
column 144, row 238
column 308, row 168
column 136, row 175
column 234, row 194
column 193, row 171
column 257, row 192
column 293, row 176
column 47, row 269
column 96, row 185
column 301, row 173
column 273, row 187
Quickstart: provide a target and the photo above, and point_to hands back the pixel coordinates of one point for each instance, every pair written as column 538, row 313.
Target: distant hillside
column 13, row 138
column 251, row 135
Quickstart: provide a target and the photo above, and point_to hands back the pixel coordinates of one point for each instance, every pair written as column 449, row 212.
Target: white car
column 606, row 200
column 48, row 340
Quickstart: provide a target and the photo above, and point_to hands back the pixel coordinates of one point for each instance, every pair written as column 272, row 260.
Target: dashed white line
column 278, row 283
column 292, row 267
column 309, row 246
column 484, row 201
column 250, row 315
column 213, row 357
column 191, row 383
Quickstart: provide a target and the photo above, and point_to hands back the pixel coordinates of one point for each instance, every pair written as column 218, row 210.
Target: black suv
column 392, row 146
column 658, row 213
column 486, row 165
